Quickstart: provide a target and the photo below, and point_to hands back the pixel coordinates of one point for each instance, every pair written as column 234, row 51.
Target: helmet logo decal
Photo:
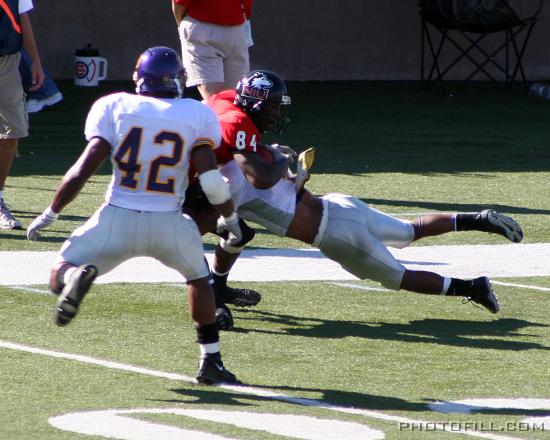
column 257, row 86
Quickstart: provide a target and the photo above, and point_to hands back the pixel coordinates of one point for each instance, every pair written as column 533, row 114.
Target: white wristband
column 49, row 212
column 231, row 219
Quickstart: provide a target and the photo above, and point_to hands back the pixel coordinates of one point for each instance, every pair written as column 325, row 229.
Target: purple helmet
column 159, row 71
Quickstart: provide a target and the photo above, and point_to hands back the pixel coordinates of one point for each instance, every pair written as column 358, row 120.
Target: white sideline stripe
column 348, row 285
column 31, row 290
column 248, row 390
column 359, row 287
column 523, row 286
column 499, row 283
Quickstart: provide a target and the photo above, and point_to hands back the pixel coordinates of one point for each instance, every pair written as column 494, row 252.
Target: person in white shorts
column 343, row 227
column 16, row 32
column 151, row 139
column 215, row 36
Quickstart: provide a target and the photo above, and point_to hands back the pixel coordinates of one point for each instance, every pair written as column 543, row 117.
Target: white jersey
column 151, row 141
column 273, row 208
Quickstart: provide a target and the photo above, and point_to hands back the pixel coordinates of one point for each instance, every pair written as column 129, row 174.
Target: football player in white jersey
column 151, row 139
column 344, row 228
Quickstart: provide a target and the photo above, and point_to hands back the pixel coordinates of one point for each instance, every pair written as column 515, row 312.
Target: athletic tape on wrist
column 215, row 188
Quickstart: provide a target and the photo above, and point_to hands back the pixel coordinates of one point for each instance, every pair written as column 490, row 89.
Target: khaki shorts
column 113, row 235
column 14, row 123
column 355, row 236
column 213, row 53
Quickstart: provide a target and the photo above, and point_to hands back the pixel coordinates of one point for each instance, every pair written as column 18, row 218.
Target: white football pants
column 113, row 235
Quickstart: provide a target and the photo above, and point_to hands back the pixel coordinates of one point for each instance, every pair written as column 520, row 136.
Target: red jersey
column 221, row 12
column 238, row 130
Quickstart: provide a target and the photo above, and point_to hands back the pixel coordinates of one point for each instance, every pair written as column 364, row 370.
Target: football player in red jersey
column 244, row 114
column 254, row 108
column 344, row 228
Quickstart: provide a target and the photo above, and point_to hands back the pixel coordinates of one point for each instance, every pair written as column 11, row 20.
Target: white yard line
column 359, row 287
column 522, row 286
column 250, row 390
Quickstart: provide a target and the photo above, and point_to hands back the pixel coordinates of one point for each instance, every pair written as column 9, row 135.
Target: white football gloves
column 231, row 225
column 42, row 221
column 305, row 163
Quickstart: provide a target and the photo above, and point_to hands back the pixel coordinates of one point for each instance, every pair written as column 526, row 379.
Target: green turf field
column 312, row 354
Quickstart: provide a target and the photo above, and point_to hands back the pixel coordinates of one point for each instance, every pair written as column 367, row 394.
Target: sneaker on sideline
column 35, row 105
column 7, row 220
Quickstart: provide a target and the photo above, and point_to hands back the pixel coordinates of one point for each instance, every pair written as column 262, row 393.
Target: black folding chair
column 500, row 61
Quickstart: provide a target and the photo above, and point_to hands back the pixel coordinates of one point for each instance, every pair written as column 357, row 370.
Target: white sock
column 446, row 285
column 68, row 273
column 220, row 274
column 209, row 349
column 453, row 219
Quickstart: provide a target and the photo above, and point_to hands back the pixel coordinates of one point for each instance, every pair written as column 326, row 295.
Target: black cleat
column 224, row 318
column 497, row 223
column 481, row 292
column 73, row 293
column 238, row 297
column 212, row 371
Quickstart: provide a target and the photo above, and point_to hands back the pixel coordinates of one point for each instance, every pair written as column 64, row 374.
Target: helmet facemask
column 268, row 115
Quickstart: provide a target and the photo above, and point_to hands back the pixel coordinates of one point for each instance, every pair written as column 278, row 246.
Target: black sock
column 208, row 334
column 220, row 280
column 458, row 287
column 216, row 289
column 220, row 286
column 467, row 222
